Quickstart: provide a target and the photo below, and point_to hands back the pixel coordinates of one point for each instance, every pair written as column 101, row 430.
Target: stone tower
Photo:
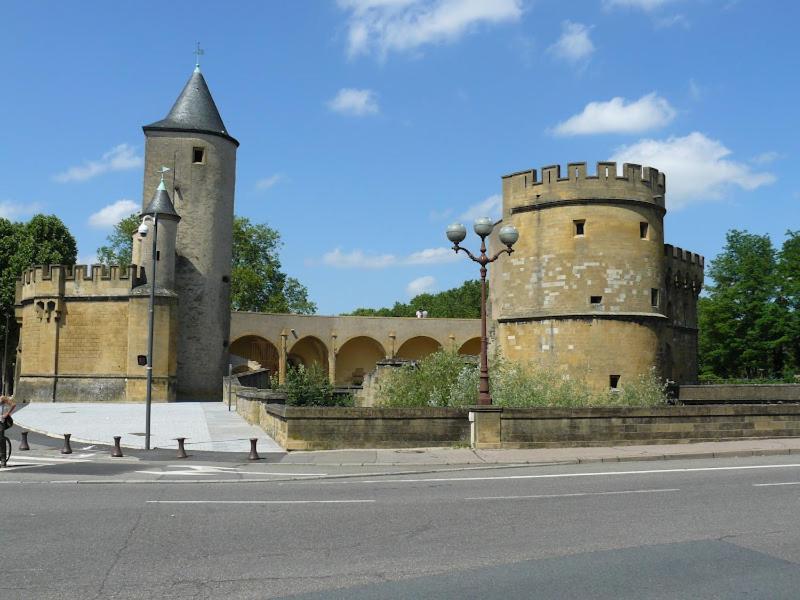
column 589, row 288
column 193, row 142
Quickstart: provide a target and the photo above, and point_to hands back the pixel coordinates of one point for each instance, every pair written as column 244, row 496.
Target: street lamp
column 508, row 235
column 160, row 207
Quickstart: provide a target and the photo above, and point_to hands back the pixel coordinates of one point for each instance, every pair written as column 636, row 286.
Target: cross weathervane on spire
column 198, row 53
column 162, row 170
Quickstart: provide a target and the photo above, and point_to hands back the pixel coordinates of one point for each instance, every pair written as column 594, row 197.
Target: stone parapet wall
column 744, row 393
column 339, row 428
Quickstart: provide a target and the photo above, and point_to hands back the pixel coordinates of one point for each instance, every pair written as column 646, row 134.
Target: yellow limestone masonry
column 591, row 288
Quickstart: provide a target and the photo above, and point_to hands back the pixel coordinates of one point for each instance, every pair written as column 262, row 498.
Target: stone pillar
column 485, row 427
column 392, row 340
column 282, row 358
column 332, row 360
column 452, row 339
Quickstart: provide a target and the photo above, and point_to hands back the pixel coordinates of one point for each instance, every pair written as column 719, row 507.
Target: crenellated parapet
column 76, row 281
column 683, row 270
column 527, row 190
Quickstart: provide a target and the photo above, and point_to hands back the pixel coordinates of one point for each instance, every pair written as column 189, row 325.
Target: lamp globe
column 483, row 226
column 508, row 235
column 456, row 232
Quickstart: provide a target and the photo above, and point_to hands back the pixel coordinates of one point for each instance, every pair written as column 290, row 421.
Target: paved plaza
column 206, row 426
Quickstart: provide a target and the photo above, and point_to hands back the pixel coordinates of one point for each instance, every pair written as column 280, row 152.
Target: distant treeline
column 463, row 302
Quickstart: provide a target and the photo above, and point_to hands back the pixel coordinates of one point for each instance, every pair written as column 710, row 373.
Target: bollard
column 23, row 443
column 181, row 451
column 117, row 451
column 67, row 449
column 253, row 453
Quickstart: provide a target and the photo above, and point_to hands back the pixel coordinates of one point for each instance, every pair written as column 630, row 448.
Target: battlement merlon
column 683, row 268
column 644, row 184
column 76, row 280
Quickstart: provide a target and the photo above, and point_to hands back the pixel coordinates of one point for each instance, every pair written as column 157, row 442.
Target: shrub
column 446, row 379
column 309, row 386
column 440, row 379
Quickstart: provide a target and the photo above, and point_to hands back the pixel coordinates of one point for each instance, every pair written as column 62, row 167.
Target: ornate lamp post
column 508, row 235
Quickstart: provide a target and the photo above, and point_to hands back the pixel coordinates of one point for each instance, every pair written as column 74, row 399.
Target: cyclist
column 7, row 406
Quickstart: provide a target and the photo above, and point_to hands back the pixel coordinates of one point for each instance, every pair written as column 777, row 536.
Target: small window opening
column 654, row 297
column 579, row 227
column 198, row 155
column 613, row 381
column 644, row 226
column 576, row 172
column 596, row 299
column 225, row 279
column 158, row 254
column 606, row 172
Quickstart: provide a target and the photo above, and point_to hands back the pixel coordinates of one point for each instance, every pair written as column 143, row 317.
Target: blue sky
column 366, row 126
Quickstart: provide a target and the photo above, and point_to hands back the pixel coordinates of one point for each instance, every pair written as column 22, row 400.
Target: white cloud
column 110, row 215
column 574, row 45
column 431, row 256
column 619, row 116
column 403, row 25
column 119, row 158
column 87, row 259
column 420, row 285
column 268, row 182
column 645, row 5
column 696, row 91
column 766, row 157
column 353, row 102
column 696, row 166
column 491, row 207
column 358, row 259
column 13, row 211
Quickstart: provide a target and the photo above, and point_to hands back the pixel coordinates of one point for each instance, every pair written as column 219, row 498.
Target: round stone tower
column 584, row 290
column 193, row 142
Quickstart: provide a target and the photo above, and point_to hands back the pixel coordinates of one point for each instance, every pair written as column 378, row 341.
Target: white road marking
column 259, row 501
column 772, row 484
column 203, row 470
column 575, row 495
column 564, row 475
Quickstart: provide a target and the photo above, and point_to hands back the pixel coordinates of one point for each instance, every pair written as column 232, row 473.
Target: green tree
column 257, row 282
column 462, row 302
column 740, row 321
column 119, row 243
column 789, row 299
column 44, row 240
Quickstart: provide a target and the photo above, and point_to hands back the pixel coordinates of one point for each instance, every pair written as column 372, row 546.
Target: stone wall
column 81, row 332
column 338, row 428
column 740, row 394
column 312, row 428
column 591, row 287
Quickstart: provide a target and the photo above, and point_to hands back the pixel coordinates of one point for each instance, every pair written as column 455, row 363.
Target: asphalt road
column 723, row 528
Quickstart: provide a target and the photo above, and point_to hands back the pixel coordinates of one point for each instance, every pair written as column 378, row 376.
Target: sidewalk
column 208, row 426
column 543, row 456
column 205, row 425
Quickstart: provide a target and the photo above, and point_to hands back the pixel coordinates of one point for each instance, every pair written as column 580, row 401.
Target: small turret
column 160, row 207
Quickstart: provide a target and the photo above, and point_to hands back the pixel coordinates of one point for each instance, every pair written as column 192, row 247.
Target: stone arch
column 472, row 347
column 253, row 352
column 307, row 351
column 356, row 358
column 418, row 347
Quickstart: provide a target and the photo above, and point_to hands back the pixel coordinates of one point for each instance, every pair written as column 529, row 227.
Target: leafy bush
column 440, row 379
column 446, row 379
column 311, row 387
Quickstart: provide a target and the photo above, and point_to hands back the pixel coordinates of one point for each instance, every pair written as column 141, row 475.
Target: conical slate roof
column 161, row 204
column 194, row 110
